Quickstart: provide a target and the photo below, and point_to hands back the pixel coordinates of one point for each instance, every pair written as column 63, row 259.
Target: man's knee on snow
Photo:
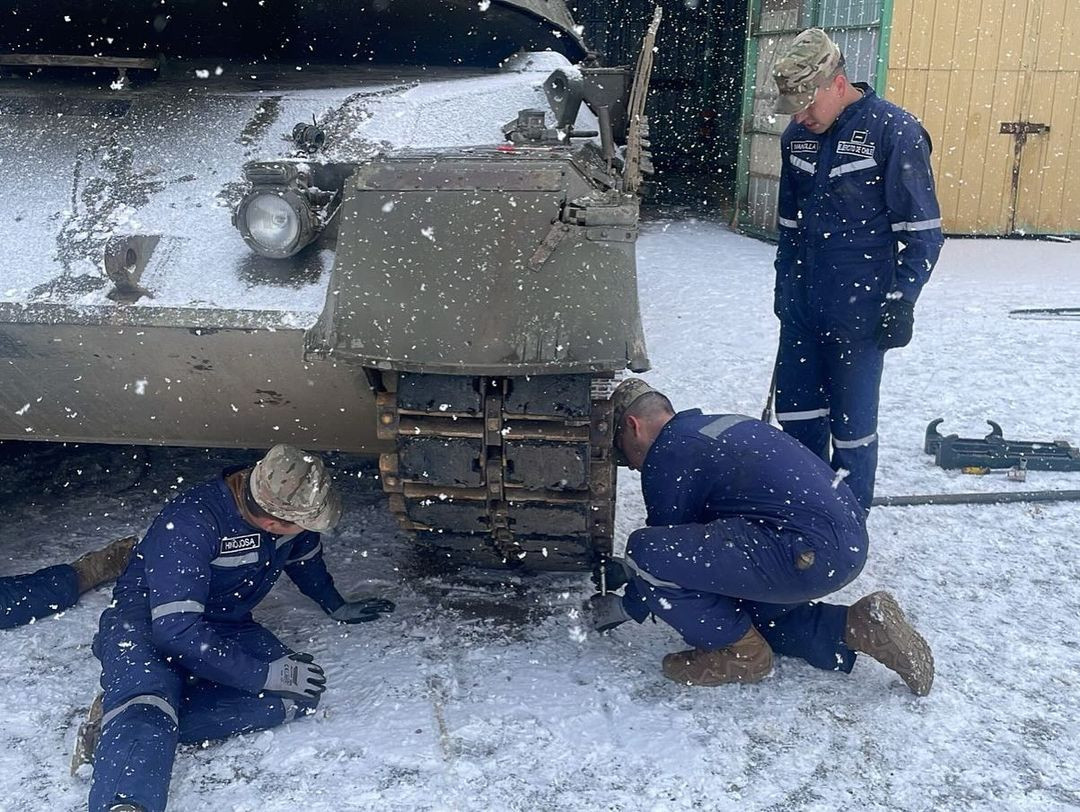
column 147, row 711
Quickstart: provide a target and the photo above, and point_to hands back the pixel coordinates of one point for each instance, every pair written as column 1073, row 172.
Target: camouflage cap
column 809, row 63
column 293, row 486
column 622, row 399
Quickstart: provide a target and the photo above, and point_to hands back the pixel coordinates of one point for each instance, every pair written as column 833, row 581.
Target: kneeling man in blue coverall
column 182, row 659
column 746, row 529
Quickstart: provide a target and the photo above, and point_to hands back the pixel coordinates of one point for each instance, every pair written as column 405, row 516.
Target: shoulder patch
column 240, row 544
column 721, row 424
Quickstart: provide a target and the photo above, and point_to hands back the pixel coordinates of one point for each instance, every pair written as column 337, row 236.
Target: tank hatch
column 443, row 32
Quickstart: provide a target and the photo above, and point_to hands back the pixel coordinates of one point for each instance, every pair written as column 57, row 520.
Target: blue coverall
column 182, row 659
column 858, row 221
column 24, row 598
column 745, row 526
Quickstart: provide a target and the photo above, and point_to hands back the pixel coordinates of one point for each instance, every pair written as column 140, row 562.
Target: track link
column 501, row 472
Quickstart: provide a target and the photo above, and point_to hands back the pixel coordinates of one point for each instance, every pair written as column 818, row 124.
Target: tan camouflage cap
column 294, row 486
column 622, row 399
column 811, row 61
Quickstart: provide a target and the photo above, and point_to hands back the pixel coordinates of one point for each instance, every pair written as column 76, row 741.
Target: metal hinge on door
column 1020, row 130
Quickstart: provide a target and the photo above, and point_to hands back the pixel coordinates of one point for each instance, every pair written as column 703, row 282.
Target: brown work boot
column 104, row 565
column 86, row 740
column 748, row 659
column 877, row 626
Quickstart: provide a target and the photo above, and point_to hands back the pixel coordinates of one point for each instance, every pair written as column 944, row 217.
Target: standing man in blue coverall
column 860, row 232
column 182, row 660
column 30, row 597
column 746, row 527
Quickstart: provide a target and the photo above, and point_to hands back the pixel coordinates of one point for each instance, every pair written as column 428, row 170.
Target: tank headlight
column 275, row 223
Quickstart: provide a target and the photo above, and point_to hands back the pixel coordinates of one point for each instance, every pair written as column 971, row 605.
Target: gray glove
column 607, row 611
column 295, row 676
column 362, row 610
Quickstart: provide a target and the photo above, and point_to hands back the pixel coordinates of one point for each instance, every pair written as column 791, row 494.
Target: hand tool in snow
column 768, row 414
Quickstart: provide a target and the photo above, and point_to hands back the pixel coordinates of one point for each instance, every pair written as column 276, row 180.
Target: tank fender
column 478, row 264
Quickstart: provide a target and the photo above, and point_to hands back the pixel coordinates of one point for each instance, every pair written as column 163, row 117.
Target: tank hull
column 175, row 377
column 266, row 250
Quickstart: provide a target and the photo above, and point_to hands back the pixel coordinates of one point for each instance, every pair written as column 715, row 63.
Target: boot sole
column 892, row 641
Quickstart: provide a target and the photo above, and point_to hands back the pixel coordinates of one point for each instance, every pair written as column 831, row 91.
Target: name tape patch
column 240, row 544
column 804, row 146
column 853, row 148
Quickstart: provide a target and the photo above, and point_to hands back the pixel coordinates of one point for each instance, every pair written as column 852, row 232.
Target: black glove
column 606, row 611
column 897, row 321
column 615, row 574
column 295, row 676
column 362, row 610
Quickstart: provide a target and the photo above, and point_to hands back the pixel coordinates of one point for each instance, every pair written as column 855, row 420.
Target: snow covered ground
column 488, row 692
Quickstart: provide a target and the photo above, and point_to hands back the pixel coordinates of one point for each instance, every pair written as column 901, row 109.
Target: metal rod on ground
column 1049, row 313
column 989, row 498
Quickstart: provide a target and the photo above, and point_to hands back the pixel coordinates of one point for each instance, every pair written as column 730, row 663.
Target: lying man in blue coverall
column 182, row 660
column 859, row 234
column 30, row 597
column 745, row 528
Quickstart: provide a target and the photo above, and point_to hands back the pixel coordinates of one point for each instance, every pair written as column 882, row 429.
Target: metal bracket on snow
column 994, row 451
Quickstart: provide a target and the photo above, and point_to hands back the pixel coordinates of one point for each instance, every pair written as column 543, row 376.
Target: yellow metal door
column 995, row 83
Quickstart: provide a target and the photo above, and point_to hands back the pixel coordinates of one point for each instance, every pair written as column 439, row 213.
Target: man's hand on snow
column 606, row 611
column 897, row 322
column 362, row 610
column 295, row 676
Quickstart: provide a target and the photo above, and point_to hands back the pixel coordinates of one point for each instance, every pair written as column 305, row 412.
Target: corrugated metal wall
column 855, row 25
column 966, row 67
column 696, row 87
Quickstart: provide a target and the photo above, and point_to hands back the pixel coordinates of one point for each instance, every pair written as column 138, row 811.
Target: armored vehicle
column 305, row 243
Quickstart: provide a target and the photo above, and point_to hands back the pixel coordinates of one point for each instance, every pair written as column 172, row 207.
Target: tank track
column 501, row 472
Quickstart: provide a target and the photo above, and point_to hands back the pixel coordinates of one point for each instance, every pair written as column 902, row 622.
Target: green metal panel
column 881, row 78
column 749, row 83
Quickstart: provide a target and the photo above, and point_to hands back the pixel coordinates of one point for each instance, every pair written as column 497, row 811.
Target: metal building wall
column 696, row 87
column 855, row 26
column 973, row 68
